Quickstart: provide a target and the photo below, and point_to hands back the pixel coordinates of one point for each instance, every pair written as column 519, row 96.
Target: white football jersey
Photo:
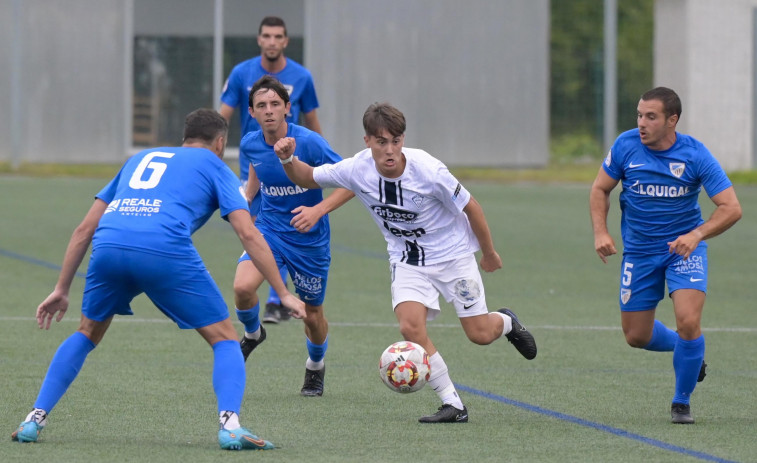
column 420, row 213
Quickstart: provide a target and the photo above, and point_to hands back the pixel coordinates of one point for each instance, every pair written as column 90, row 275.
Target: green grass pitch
column 145, row 393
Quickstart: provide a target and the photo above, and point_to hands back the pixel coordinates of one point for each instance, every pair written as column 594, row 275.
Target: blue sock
column 250, row 318
column 273, row 297
column 663, row 338
column 228, row 375
column 64, row 367
column 687, row 361
column 317, row 351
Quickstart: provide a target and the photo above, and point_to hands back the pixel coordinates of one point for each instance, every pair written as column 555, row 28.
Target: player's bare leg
column 412, row 319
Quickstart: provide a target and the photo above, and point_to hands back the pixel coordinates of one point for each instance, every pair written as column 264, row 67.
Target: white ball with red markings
column 404, row 367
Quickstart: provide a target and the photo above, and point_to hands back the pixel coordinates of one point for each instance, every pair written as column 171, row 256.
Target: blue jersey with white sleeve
column 279, row 195
column 296, row 79
column 660, row 197
column 163, row 195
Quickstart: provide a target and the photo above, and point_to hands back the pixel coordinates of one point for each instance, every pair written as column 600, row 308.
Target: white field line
column 131, row 319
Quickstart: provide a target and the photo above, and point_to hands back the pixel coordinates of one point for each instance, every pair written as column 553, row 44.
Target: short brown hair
column 204, row 124
column 671, row 103
column 381, row 116
column 272, row 21
column 269, row 83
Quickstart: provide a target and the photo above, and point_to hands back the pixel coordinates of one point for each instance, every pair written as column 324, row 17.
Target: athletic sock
column 663, row 338
column 687, row 361
column 37, row 415
column 250, row 318
column 273, row 297
column 64, row 368
column 228, row 375
column 229, row 420
column 314, row 366
column 316, row 352
column 508, row 323
column 442, row 384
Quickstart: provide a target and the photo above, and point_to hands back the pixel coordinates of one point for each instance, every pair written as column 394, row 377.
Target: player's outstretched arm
column 490, row 260
column 298, row 172
column 599, row 206
column 306, row 217
column 258, row 250
column 57, row 301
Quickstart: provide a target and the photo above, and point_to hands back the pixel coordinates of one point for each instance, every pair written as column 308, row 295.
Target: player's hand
column 56, row 302
column 605, row 246
column 295, row 306
column 491, row 262
column 284, row 147
column 305, row 218
column 684, row 245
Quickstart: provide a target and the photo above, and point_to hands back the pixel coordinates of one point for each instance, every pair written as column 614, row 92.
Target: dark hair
column 204, row 124
column 671, row 104
column 269, row 83
column 381, row 116
column 272, row 21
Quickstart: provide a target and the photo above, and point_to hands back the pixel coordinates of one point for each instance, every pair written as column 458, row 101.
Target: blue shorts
column 308, row 266
column 180, row 287
column 643, row 277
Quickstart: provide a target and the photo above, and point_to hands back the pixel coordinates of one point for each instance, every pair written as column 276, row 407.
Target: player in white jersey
column 433, row 227
column 663, row 233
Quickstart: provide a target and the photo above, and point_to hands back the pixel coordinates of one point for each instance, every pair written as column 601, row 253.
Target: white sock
column 229, row 420
column 254, row 336
column 37, row 415
column 311, row 365
column 441, row 383
column 508, row 323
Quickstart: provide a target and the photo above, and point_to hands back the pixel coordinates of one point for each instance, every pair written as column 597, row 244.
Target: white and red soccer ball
column 404, row 367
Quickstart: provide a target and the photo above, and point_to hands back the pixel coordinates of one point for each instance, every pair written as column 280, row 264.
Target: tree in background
column 576, row 81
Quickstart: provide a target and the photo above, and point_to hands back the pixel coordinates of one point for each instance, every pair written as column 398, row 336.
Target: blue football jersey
column 162, row 195
column 660, row 197
column 279, row 195
column 296, row 79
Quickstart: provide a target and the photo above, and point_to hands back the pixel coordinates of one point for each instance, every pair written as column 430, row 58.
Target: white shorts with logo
column 459, row 281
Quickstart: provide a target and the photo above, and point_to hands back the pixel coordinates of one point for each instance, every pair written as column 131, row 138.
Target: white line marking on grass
column 130, row 319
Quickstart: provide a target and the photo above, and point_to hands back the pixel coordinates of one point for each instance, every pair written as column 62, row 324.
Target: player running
column 663, row 234
column 432, row 226
column 293, row 221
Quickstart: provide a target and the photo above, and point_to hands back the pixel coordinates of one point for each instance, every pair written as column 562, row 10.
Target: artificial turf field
column 145, row 394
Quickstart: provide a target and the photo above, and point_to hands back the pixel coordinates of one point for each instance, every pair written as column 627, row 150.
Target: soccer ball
column 404, row 367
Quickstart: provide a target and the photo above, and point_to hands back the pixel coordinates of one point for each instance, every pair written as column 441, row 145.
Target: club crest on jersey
column 418, row 200
column 625, row 295
column 467, row 290
column 677, row 168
